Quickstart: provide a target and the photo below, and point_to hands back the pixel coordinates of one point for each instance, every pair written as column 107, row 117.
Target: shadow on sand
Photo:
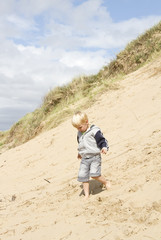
column 95, row 187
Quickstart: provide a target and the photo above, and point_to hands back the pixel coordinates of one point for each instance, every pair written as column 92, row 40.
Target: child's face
column 83, row 127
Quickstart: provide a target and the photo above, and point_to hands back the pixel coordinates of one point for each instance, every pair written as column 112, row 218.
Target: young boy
column 91, row 144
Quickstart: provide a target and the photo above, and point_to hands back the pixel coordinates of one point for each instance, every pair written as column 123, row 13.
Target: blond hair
column 79, row 118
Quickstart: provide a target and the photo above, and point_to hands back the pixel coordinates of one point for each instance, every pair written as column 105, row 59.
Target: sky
column 47, row 43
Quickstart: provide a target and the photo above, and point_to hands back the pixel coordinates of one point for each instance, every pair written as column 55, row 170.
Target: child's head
column 80, row 121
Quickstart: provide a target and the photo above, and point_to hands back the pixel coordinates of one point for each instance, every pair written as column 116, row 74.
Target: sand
column 40, row 197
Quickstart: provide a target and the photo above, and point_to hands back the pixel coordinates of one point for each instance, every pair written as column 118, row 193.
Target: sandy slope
column 40, row 197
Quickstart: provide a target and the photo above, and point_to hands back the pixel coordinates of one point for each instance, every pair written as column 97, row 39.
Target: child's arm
column 104, row 150
column 102, row 143
column 78, row 156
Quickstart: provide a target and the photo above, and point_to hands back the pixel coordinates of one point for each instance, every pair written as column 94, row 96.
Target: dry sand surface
column 40, row 198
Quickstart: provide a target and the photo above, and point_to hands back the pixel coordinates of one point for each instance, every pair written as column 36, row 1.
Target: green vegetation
column 62, row 101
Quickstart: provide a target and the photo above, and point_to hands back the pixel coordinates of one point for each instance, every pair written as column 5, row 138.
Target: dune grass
column 81, row 92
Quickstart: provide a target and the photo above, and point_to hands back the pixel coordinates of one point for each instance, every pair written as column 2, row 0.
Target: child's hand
column 104, row 150
column 79, row 156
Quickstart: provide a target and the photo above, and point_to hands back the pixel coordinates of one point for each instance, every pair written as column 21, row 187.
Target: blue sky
column 127, row 9
column 44, row 44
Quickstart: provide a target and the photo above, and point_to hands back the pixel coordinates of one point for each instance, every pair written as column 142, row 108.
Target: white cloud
column 85, row 60
column 47, row 43
column 7, row 7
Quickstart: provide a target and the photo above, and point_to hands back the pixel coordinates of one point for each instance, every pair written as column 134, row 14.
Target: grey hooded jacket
column 91, row 142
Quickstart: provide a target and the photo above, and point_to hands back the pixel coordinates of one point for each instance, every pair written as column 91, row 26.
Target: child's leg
column 104, row 181
column 86, row 189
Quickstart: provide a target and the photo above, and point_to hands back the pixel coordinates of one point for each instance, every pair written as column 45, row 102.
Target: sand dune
column 40, row 197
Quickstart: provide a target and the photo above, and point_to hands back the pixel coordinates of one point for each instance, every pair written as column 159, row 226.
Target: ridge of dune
column 40, row 197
